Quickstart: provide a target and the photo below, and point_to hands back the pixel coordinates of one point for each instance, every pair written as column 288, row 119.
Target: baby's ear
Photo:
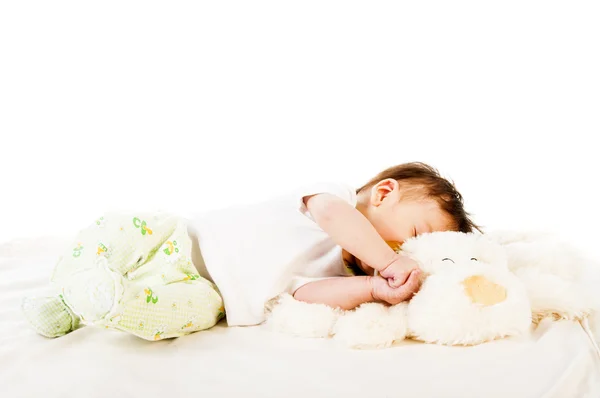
column 383, row 189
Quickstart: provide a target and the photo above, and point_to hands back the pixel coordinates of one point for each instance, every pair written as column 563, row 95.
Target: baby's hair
column 423, row 180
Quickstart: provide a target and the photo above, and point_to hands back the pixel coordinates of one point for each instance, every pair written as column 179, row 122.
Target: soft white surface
column 557, row 360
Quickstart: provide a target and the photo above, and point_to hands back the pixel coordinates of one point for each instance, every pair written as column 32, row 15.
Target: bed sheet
column 556, row 360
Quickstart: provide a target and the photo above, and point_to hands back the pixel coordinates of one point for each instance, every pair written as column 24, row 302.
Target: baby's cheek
column 392, row 232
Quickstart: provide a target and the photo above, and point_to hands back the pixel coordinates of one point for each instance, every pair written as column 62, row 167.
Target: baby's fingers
column 413, row 280
column 411, row 286
column 398, row 280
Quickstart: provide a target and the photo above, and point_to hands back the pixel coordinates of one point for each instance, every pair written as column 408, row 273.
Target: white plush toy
column 476, row 288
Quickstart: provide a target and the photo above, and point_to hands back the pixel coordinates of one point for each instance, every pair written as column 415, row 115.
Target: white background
column 189, row 107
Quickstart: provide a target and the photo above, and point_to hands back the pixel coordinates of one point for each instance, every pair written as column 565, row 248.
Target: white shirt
column 255, row 252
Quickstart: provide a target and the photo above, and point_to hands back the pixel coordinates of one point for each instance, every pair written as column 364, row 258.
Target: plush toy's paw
column 290, row 316
column 372, row 326
column 49, row 316
column 469, row 304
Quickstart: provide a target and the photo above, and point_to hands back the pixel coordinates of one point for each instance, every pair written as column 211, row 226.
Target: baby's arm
column 350, row 292
column 352, row 231
column 343, row 292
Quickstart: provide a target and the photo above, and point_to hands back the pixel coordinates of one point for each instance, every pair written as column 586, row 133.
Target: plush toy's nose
column 483, row 291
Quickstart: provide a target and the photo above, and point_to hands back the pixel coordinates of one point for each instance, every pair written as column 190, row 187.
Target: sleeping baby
column 161, row 276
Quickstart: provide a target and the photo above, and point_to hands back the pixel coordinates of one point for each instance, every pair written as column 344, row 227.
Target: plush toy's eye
column 474, row 259
column 449, row 259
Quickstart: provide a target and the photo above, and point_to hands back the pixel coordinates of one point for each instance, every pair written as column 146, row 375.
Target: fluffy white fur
column 541, row 277
column 553, row 273
column 296, row 318
column 442, row 313
column 372, row 326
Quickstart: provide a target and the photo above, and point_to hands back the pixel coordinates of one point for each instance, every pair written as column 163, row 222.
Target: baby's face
column 404, row 219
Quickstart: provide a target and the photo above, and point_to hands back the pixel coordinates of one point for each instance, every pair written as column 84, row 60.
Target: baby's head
column 410, row 199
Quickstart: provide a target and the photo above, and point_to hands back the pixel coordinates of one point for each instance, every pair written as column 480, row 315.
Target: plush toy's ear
column 549, row 254
column 435, row 251
column 553, row 272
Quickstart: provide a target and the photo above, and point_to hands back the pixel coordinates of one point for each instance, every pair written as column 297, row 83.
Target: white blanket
column 556, row 360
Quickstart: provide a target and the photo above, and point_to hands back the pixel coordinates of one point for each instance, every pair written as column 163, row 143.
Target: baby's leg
column 49, row 316
column 166, row 297
column 122, row 241
column 86, row 280
column 172, row 310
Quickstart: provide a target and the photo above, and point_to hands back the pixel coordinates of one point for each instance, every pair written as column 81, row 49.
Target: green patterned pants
column 131, row 273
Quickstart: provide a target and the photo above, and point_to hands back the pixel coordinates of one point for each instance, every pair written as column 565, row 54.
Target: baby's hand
column 382, row 291
column 399, row 270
